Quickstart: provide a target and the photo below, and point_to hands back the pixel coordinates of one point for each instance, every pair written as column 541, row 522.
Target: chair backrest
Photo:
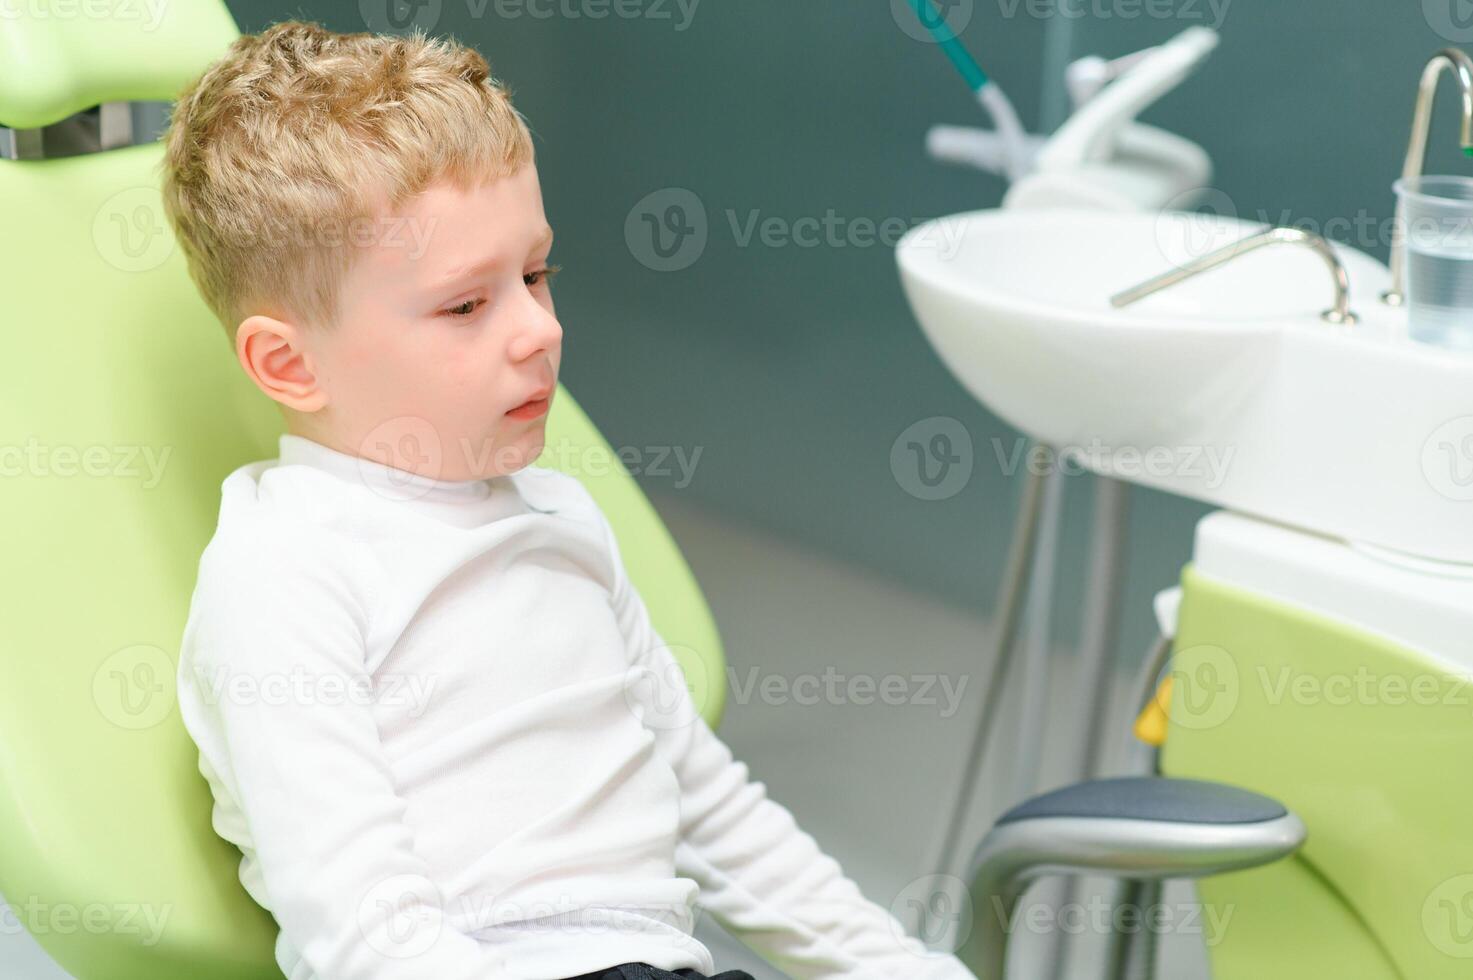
column 121, row 411
column 1368, row 742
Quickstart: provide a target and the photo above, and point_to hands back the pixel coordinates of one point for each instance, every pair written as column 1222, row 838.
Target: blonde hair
column 299, row 133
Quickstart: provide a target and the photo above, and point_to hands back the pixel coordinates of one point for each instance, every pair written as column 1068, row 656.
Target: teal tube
column 932, row 20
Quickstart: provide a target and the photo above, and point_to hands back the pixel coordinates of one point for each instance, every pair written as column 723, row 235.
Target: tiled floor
column 869, row 781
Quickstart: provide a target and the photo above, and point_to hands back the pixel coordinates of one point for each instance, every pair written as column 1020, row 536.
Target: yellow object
column 1150, row 727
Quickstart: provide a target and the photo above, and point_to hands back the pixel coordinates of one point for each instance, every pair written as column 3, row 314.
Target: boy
column 432, row 709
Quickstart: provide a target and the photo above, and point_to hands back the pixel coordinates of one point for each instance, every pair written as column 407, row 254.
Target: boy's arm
column 761, row 875
column 278, row 700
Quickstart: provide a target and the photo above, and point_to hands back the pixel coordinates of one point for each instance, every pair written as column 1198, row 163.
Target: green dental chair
column 121, row 411
column 1367, row 737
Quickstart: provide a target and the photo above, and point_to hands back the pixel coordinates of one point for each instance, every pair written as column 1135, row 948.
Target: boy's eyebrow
column 544, row 238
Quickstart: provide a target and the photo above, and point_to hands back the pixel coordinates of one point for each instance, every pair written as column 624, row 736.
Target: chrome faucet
column 1338, row 314
column 1455, row 61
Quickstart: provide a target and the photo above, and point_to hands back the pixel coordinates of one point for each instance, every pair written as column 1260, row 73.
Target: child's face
column 445, row 327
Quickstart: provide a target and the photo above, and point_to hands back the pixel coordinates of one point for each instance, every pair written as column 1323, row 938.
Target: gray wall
column 1306, row 107
column 793, row 369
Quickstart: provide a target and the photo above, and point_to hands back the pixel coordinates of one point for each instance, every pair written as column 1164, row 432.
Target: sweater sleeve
column 274, row 689
column 761, row 876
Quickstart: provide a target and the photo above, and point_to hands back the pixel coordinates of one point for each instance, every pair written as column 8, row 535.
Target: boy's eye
column 463, row 309
column 541, row 275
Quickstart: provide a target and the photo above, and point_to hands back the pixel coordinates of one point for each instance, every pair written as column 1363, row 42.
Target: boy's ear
column 273, row 355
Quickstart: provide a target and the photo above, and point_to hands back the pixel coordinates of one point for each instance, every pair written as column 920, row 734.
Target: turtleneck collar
column 387, row 481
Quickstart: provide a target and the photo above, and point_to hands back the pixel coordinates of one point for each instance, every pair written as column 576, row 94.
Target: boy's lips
column 529, row 410
column 534, row 404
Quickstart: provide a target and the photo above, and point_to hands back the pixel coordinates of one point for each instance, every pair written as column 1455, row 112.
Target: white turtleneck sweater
column 446, row 738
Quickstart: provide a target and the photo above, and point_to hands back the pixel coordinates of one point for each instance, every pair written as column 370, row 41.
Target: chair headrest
column 58, row 57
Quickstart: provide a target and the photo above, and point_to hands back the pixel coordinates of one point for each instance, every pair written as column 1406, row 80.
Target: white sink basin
column 1226, row 388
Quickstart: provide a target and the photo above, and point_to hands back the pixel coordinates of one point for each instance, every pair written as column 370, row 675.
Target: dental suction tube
column 1018, row 151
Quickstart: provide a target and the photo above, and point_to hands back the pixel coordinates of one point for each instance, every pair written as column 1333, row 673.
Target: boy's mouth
column 529, row 410
column 534, row 406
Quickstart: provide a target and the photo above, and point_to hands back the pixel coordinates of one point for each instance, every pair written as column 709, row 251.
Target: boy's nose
column 540, row 331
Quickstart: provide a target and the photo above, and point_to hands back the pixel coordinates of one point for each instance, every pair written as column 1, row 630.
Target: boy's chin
column 509, row 457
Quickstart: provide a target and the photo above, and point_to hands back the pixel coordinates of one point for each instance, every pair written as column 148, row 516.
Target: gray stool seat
column 1146, row 798
column 1138, row 829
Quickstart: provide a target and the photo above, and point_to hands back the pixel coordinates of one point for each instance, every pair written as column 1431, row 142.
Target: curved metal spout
column 1461, row 66
column 1338, row 314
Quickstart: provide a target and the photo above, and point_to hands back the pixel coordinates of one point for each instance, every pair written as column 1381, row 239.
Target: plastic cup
column 1438, row 215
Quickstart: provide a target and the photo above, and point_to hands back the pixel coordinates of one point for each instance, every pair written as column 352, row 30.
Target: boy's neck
column 388, row 481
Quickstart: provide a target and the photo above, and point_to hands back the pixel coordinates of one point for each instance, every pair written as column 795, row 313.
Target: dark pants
column 643, row 971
